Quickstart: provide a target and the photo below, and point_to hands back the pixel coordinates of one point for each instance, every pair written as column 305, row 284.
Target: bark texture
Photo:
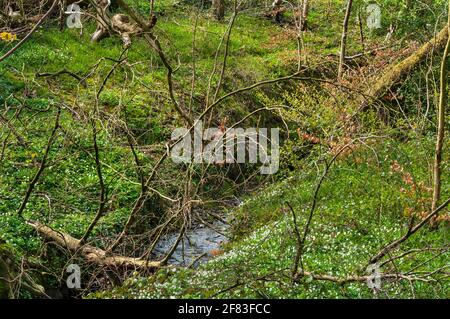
column 398, row 72
column 443, row 101
column 90, row 253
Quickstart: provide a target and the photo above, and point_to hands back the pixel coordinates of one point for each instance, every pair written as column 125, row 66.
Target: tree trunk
column 361, row 32
column 441, row 122
column 305, row 11
column 398, row 72
column 218, row 7
column 344, row 38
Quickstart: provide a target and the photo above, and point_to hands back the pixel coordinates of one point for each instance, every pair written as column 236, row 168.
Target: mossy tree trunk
column 443, row 101
column 348, row 12
column 398, row 72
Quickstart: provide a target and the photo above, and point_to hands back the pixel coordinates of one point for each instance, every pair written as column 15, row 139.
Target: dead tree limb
column 398, row 72
column 155, row 44
column 64, row 71
column 386, row 249
column 90, row 253
column 41, row 166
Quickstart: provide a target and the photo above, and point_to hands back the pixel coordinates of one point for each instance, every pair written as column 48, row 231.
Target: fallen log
column 90, row 253
column 398, row 72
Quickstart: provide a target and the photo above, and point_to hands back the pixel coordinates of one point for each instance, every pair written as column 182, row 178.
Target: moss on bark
column 398, row 72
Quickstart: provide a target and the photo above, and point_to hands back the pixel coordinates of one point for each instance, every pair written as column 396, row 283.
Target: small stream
column 199, row 244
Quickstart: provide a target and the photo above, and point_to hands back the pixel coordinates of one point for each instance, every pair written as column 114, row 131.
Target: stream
column 199, row 244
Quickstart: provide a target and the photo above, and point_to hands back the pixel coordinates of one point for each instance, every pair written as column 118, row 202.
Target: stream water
column 199, row 244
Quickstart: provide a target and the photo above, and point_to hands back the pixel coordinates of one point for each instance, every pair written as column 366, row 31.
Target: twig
column 103, row 197
column 64, row 71
column 411, row 231
column 301, row 247
column 11, row 127
column 21, row 42
column 41, row 167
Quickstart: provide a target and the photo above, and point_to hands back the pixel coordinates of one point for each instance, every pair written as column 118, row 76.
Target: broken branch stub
column 118, row 23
